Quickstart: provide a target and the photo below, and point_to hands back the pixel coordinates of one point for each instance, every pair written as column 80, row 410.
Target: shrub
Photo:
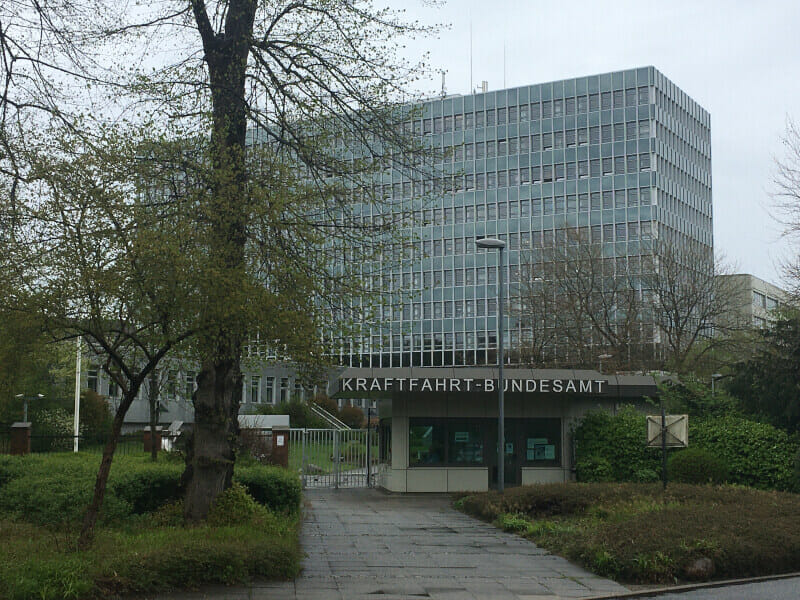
column 326, row 403
column 638, row 533
column 300, row 414
column 695, row 465
column 617, row 441
column 594, row 469
column 757, row 454
column 233, row 506
column 56, row 489
column 54, row 499
column 352, row 416
column 146, row 486
column 276, row 488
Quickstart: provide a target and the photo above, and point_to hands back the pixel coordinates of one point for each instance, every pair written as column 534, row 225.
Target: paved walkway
column 364, row 544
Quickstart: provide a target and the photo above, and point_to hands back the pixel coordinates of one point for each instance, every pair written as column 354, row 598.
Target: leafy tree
column 303, row 75
column 768, row 382
column 352, row 416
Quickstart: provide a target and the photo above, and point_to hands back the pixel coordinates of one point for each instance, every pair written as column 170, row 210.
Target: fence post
column 303, row 464
column 369, row 458
column 336, row 459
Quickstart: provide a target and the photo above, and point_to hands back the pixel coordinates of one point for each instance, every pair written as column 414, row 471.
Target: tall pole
column 663, row 445
column 501, row 432
column 77, row 419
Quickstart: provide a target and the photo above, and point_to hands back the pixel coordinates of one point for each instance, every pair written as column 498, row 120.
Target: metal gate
column 333, row 458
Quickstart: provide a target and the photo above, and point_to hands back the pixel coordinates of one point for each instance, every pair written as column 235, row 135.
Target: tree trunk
column 152, row 396
column 209, row 469
column 90, row 519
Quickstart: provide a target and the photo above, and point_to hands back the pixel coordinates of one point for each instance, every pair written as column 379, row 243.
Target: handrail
column 335, row 422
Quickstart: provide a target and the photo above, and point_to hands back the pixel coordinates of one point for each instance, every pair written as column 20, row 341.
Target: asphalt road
column 780, row 589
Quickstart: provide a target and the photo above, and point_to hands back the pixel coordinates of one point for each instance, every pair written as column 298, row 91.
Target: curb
column 681, row 589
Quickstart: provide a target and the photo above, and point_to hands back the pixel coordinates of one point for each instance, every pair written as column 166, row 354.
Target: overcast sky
column 740, row 60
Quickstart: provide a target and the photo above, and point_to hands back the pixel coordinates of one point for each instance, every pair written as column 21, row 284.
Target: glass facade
column 624, row 156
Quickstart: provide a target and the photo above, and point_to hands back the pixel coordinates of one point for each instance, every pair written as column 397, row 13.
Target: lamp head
column 490, row 243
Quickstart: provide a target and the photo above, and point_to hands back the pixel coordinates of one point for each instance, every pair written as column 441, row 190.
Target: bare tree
column 695, row 305
column 665, row 307
column 586, row 304
column 787, row 202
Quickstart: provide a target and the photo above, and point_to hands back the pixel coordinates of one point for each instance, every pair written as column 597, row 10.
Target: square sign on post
column 677, row 431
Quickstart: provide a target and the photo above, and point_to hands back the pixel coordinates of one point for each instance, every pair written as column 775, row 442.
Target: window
column 465, row 443
column 190, row 384
column 541, row 441
column 269, row 390
column 426, row 442
column 284, row 391
column 92, row 378
column 254, row 392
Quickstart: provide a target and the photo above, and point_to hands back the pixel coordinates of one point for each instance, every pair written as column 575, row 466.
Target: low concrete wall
column 544, row 475
column 437, row 479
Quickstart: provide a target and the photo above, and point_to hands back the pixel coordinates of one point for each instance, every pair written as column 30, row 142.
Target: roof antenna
column 471, row 89
column 444, row 87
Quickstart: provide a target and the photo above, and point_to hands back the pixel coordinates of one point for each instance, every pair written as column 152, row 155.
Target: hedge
column 695, row 465
column 56, row 489
column 612, row 448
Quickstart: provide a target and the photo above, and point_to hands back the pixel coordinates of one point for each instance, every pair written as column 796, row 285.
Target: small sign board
column 677, row 431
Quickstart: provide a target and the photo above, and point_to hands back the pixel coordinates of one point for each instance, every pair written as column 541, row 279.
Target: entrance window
column 465, row 443
column 426, row 442
column 541, row 441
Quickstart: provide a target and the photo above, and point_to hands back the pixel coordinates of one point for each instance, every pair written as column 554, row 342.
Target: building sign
column 442, row 384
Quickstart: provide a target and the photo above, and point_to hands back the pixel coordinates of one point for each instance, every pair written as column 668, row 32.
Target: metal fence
column 130, row 443
column 332, row 458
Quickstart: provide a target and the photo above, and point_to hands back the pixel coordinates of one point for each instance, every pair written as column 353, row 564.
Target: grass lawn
column 141, row 543
column 636, row 534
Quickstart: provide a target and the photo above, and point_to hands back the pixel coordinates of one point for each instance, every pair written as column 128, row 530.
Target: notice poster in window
column 550, row 452
column 531, row 455
column 533, row 442
column 538, row 453
column 461, row 436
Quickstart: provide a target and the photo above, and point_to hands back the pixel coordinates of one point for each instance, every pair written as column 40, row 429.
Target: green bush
column 695, row 465
column 638, row 533
column 757, row 454
column 276, row 488
column 55, row 489
column 594, row 469
column 146, row 486
column 616, row 440
column 300, row 414
column 54, row 499
column 233, row 506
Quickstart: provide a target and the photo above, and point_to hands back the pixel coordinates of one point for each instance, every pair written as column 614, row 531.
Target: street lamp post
column 25, row 404
column 602, row 357
column 492, row 243
column 714, row 377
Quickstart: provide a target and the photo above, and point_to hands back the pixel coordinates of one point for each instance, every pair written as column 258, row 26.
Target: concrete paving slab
column 362, row 543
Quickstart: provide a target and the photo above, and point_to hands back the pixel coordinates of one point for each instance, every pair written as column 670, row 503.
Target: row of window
column 559, row 171
column 532, row 111
column 513, row 209
column 254, row 392
column 519, row 336
column 764, row 301
column 556, row 140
